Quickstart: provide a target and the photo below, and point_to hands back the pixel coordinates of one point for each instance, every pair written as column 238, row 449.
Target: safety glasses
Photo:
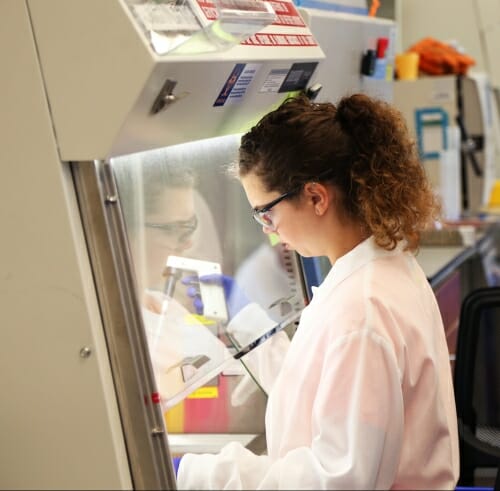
column 263, row 214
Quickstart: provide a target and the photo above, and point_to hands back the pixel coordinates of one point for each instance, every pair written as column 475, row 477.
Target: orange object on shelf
column 438, row 58
column 373, row 8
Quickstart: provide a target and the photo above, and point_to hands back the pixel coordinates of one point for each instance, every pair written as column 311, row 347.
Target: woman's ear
column 319, row 196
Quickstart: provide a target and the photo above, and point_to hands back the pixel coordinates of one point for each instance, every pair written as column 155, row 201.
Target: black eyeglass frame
column 257, row 212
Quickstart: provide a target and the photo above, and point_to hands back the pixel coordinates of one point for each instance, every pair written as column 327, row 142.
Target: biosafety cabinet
column 119, row 121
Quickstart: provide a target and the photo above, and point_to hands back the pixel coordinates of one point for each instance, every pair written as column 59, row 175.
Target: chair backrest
column 477, row 379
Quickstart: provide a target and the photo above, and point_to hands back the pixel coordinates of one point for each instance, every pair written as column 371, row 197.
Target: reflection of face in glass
column 180, row 231
column 168, row 230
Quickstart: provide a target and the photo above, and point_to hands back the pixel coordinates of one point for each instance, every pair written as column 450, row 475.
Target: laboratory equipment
column 455, row 123
column 212, row 294
column 186, row 217
column 84, row 84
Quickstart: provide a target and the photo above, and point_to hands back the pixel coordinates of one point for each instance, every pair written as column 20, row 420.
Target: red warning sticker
column 286, row 13
column 270, row 39
column 208, row 8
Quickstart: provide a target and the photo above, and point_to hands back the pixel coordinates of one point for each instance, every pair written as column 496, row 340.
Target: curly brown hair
column 362, row 146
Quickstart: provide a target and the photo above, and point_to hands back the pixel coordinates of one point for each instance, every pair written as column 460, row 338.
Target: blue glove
column 193, row 291
column 176, row 461
column 235, row 297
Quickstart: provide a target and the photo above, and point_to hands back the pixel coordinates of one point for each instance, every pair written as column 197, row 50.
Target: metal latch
column 166, row 97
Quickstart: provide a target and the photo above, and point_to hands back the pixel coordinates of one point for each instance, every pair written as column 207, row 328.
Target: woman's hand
column 234, row 295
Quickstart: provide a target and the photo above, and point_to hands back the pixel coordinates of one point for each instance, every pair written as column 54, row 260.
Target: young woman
column 364, row 396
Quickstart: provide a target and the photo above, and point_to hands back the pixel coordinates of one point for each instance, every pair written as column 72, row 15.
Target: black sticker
column 298, row 77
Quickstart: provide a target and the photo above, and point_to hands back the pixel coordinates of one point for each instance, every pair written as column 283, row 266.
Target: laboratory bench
column 455, row 270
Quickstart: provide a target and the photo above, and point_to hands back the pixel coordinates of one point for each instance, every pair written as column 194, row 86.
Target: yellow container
column 407, row 65
column 494, row 201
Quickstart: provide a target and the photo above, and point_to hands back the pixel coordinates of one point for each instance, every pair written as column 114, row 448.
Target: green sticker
column 274, row 239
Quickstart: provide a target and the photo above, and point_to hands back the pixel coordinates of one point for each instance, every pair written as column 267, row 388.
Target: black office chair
column 477, row 383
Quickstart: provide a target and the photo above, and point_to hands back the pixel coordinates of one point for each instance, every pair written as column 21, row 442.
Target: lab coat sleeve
column 357, row 412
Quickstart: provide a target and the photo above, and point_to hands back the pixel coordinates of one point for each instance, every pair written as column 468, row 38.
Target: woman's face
column 294, row 219
column 168, row 231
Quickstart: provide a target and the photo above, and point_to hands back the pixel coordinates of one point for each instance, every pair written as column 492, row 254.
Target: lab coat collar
column 361, row 255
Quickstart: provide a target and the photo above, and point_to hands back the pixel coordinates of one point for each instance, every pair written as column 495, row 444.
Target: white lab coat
column 364, row 398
